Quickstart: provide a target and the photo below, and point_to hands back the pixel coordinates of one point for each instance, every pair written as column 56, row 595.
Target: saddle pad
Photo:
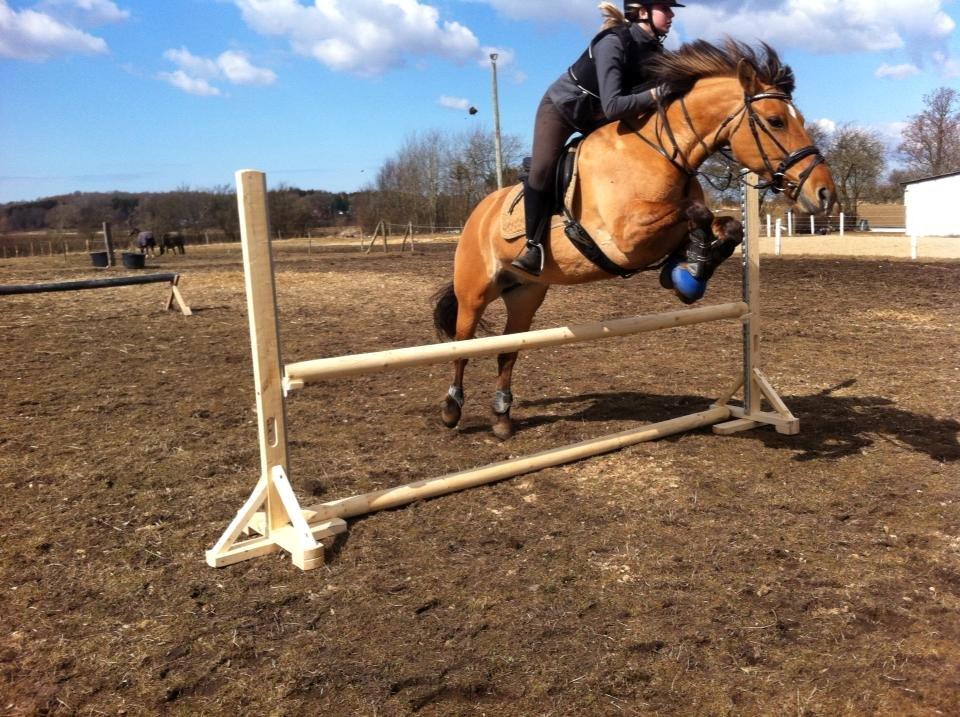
column 512, row 216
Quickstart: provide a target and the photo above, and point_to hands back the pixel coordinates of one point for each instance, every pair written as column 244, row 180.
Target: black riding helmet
column 628, row 5
column 630, row 8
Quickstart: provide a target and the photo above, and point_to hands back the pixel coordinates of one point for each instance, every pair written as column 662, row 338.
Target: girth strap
column 585, row 244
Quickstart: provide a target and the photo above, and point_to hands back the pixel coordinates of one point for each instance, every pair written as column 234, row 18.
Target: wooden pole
column 304, row 372
column 108, row 243
column 751, row 292
column 431, row 488
column 10, row 289
column 282, row 512
column 264, row 331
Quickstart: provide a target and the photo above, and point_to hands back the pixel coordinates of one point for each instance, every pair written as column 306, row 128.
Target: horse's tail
column 445, row 307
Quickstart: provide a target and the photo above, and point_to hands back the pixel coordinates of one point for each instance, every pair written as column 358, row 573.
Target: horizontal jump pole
column 301, row 373
column 9, row 289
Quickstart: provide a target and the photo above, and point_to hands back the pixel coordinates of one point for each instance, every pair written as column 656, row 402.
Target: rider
column 598, row 88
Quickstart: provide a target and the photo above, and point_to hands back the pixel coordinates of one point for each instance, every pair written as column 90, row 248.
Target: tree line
column 184, row 211
column 435, row 179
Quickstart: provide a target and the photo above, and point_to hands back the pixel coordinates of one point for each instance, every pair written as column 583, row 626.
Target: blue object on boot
column 668, row 266
column 688, row 288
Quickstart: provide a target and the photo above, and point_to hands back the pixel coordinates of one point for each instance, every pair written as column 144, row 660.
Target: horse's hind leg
column 469, row 312
column 522, row 304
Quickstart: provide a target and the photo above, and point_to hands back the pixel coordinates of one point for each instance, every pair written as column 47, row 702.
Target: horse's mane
column 699, row 59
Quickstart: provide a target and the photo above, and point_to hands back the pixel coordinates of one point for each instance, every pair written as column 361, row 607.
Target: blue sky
column 102, row 95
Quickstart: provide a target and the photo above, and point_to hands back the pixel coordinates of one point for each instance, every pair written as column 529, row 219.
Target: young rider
column 598, row 88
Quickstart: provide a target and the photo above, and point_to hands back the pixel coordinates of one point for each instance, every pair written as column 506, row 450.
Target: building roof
column 928, row 179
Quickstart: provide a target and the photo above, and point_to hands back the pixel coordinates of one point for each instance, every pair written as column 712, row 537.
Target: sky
column 131, row 95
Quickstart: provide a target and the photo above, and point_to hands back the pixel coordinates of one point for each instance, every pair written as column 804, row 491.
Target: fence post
column 813, row 226
column 842, row 220
column 914, row 247
column 776, row 241
column 108, row 242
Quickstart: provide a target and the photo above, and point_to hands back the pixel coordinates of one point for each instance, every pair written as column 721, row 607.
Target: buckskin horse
column 637, row 181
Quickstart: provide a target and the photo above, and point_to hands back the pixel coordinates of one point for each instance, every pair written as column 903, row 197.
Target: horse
column 637, row 183
column 172, row 242
column 146, row 242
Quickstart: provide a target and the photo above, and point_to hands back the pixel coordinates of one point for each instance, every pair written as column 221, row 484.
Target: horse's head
column 771, row 140
column 746, row 96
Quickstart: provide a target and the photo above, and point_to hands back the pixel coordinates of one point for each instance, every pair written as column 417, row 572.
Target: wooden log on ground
column 9, row 289
column 431, row 488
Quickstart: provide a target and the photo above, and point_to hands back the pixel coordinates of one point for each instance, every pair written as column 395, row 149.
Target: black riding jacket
column 601, row 86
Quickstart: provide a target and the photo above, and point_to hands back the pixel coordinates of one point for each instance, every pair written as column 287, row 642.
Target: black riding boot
column 698, row 254
column 537, row 206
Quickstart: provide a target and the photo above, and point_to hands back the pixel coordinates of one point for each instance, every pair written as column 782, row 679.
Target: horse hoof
column 502, row 426
column 451, row 413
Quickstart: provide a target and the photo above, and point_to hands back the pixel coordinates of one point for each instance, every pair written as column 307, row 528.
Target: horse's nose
column 827, row 199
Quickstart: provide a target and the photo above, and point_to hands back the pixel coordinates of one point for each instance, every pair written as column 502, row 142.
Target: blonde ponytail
column 612, row 16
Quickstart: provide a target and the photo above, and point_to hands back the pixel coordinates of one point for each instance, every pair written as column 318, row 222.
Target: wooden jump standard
column 272, row 511
column 172, row 279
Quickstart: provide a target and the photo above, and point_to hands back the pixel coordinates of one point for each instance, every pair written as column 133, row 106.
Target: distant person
column 597, row 89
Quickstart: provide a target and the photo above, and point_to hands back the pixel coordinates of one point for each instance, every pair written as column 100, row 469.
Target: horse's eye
column 776, row 122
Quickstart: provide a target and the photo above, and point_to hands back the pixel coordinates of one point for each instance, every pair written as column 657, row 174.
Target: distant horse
column 637, row 182
column 172, row 241
column 146, row 243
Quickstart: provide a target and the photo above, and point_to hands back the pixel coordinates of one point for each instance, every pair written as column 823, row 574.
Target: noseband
column 778, row 182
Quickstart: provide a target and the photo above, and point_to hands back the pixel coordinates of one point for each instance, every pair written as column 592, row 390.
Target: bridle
column 778, row 181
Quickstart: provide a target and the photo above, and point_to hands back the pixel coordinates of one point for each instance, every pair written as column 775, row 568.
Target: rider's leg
column 711, row 242
column 550, row 133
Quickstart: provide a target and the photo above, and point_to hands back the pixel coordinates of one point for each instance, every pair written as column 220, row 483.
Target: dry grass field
column 757, row 574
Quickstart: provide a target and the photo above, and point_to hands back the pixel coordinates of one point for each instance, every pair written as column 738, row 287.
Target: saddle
column 512, row 217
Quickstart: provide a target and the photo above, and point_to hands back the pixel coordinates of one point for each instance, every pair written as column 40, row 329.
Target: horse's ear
column 747, row 74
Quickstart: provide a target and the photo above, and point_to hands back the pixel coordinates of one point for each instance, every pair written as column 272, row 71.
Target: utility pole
column 496, row 124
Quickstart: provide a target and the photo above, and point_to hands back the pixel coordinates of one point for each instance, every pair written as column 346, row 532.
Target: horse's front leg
column 522, row 304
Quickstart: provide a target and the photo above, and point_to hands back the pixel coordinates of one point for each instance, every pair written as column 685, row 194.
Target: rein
column 778, row 182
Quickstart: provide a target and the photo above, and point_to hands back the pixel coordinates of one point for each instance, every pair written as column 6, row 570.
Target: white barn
column 931, row 205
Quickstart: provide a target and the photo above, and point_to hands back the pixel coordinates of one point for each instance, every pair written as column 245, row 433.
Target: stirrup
column 532, row 259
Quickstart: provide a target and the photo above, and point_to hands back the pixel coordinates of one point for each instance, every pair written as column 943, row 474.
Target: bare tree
column 931, row 140
column 857, row 158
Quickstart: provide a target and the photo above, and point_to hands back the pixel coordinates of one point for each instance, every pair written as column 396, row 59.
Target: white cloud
column 238, row 70
column 364, row 37
column 34, row 35
column 917, row 27
column 896, row 72
column 196, row 72
column 191, row 64
column 823, row 26
column 827, row 125
column 453, row 103
column 948, row 66
column 192, row 85
column 89, row 12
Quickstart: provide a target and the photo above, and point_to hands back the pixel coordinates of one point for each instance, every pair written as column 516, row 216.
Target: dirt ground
column 757, row 574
